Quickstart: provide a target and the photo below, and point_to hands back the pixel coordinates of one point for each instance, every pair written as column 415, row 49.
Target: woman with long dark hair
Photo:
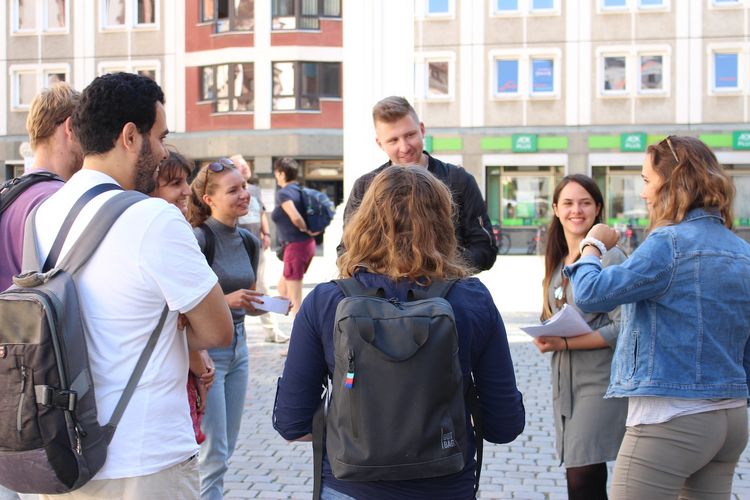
column 683, row 355
column 588, row 428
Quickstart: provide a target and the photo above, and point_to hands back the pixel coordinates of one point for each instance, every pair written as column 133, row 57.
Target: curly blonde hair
column 691, row 177
column 403, row 229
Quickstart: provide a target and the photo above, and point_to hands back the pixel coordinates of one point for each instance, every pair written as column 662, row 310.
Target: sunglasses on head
column 216, row 167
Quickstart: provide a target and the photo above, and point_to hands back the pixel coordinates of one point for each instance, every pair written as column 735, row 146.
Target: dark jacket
column 476, row 242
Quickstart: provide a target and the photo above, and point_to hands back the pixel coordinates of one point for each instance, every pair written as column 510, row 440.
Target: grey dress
column 588, row 428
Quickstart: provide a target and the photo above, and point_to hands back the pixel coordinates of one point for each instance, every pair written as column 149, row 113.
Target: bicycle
column 502, row 239
column 628, row 239
column 535, row 245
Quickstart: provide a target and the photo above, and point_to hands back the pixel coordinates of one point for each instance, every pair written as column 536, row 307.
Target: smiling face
column 402, row 140
column 230, row 198
column 175, row 191
column 651, row 183
column 576, row 210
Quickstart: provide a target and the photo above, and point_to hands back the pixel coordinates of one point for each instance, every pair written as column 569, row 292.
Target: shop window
column 725, row 69
column 301, row 85
column 302, row 14
column 507, row 76
column 228, row 15
column 521, row 196
column 741, row 208
column 229, row 86
column 621, row 187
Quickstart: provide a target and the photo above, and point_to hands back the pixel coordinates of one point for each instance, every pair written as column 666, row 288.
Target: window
column 301, row 85
column 439, row 7
column 302, row 14
column 724, row 3
column 725, row 71
column 646, row 4
column 122, row 14
column 24, row 88
column 507, row 76
column 542, row 76
column 28, row 13
column 148, row 68
column 506, row 6
column 229, row 15
column 231, row 87
column 652, row 73
column 542, row 4
column 631, row 5
column 437, row 79
column 434, row 76
column 614, row 4
column 615, row 74
column 54, row 76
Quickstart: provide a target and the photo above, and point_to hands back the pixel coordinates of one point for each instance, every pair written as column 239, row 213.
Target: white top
column 657, row 410
column 149, row 257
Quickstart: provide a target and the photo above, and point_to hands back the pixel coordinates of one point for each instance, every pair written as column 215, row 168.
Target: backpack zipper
column 349, row 383
column 21, row 400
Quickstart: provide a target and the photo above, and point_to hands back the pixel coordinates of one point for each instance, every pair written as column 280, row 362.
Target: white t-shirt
column 149, row 257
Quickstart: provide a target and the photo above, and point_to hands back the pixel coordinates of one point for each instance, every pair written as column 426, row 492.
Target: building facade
column 262, row 79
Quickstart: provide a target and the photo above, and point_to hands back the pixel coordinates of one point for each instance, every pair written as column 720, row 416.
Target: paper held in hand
column 273, row 304
column 567, row 322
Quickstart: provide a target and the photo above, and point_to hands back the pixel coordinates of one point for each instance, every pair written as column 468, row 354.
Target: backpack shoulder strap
column 438, row 288
column 62, row 234
column 350, row 286
column 13, row 188
column 210, row 247
column 97, row 229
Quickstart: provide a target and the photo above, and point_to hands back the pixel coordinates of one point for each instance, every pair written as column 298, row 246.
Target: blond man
column 56, row 151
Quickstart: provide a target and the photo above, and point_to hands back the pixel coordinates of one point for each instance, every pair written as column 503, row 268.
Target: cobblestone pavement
column 265, row 466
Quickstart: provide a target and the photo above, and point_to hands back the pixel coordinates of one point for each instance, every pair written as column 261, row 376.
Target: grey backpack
column 398, row 405
column 50, row 438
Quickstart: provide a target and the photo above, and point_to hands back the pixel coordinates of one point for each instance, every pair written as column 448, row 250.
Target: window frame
column 494, row 11
column 231, row 97
column 555, row 75
column 40, row 73
column 601, row 90
column 525, row 59
column 422, row 73
column 449, row 14
column 42, row 24
column 232, row 18
column 713, row 51
column 719, row 5
column 321, row 94
column 631, row 6
column 496, row 77
column 298, row 16
column 131, row 17
column 132, row 66
column 554, row 10
column 665, row 79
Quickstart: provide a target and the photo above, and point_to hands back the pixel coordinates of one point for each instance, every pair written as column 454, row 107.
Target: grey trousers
column 690, row 457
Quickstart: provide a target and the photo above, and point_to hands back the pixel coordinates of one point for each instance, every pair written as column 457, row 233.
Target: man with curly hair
column 149, row 258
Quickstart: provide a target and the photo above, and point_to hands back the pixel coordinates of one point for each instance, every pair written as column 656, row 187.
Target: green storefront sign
column 633, row 142
column 524, row 143
column 741, row 139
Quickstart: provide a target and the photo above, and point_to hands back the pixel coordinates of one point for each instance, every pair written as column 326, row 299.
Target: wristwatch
column 589, row 241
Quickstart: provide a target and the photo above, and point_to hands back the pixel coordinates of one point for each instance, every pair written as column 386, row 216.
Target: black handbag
column 280, row 251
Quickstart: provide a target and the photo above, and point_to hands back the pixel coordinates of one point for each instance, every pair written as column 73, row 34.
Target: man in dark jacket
column 400, row 134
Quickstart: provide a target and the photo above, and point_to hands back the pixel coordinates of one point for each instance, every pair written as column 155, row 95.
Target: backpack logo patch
column 447, row 440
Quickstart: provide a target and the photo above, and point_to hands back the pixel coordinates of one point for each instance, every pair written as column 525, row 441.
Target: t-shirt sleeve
column 171, row 259
column 285, row 194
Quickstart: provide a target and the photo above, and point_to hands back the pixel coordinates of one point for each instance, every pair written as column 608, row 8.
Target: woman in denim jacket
column 682, row 357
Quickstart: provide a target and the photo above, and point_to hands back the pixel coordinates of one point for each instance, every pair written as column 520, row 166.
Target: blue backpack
column 319, row 209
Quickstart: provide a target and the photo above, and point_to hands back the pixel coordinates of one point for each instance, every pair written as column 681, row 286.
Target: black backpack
column 319, row 209
column 51, row 440
column 395, row 362
column 12, row 188
column 252, row 246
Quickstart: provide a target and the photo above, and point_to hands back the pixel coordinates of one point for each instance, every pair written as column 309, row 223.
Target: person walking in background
column 172, row 186
column 400, row 134
column 396, row 242
column 588, row 428
column 219, row 198
column 298, row 242
column 683, row 357
column 256, row 221
column 56, row 151
column 148, row 258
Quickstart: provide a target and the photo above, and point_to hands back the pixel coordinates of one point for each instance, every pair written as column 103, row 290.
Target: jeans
column 327, row 493
column 221, row 422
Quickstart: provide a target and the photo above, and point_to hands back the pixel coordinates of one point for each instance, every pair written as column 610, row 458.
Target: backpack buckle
column 56, row 398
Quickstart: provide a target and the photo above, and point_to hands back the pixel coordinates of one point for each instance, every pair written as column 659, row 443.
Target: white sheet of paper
column 567, row 322
column 273, row 304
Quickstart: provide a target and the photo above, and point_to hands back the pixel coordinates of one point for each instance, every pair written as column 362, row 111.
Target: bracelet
column 589, row 241
column 566, row 343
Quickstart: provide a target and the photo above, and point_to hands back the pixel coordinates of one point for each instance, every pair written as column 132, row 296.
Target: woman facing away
column 396, row 242
column 683, row 356
column 217, row 200
column 172, row 186
column 588, row 427
column 299, row 242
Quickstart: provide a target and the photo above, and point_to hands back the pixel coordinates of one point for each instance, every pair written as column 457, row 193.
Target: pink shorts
column 297, row 258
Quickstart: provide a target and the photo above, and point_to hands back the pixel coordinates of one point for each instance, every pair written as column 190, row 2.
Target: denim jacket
column 685, row 327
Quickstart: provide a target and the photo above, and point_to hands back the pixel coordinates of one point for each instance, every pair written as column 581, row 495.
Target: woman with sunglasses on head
column 683, row 355
column 299, row 243
column 172, row 186
column 588, row 428
column 217, row 201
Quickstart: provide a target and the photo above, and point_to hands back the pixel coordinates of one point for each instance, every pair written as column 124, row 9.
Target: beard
column 145, row 168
